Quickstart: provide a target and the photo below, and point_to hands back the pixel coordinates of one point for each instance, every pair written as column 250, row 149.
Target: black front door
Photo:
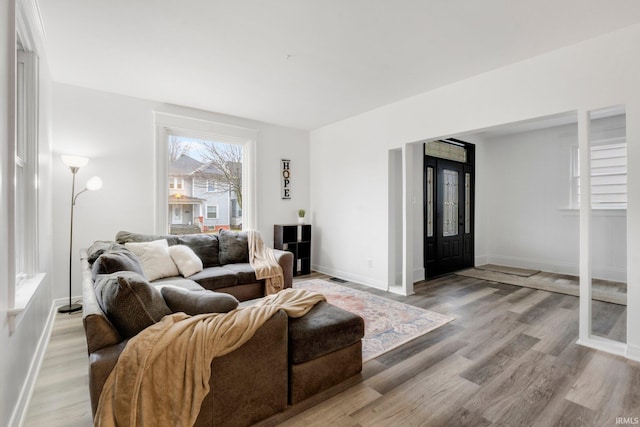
column 448, row 216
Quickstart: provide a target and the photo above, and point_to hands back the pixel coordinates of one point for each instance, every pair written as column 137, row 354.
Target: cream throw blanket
column 263, row 261
column 162, row 375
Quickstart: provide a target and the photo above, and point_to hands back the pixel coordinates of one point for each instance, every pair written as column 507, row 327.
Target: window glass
column 205, row 179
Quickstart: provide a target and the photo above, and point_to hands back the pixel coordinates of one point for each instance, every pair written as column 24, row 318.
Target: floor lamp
column 94, row 183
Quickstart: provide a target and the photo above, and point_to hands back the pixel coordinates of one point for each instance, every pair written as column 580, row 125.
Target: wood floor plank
column 509, row 396
column 598, row 381
column 494, row 364
column 401, row 373
column 337, row 410
column 567, row 414
column 427, row 393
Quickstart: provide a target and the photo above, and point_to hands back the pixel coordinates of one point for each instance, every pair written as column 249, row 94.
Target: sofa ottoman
column 325, row 348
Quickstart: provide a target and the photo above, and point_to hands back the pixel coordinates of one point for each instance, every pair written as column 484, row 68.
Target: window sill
column 595, row 212
column 25, row 293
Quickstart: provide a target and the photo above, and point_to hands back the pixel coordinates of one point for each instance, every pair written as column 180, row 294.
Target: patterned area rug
column 388, row 323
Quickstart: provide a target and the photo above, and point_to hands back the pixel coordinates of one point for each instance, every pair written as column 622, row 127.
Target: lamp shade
column 74, row 161
column 94, row 183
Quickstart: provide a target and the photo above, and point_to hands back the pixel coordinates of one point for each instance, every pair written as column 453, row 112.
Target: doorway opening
column 449, row 180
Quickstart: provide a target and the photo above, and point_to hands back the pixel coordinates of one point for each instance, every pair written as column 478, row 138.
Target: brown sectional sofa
column 298, row 357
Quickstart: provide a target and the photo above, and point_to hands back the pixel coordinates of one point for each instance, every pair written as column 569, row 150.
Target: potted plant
column 301, row 213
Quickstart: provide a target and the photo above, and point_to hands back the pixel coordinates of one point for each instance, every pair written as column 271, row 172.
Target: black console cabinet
column 297, row 240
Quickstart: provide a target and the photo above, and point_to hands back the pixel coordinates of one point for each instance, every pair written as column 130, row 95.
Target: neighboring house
column 197, row 200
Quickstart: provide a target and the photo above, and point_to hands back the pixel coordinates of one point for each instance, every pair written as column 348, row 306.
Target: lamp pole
column 70, row 308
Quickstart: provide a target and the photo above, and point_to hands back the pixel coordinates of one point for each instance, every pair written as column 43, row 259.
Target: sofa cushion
column 154, row 258
column 244, row 271
column 177, row 281
column 129, row 302
column 206, row 246
column 118, row 259
column 234, row 247
column 213, row 278
column 324, row 329
column 198, row 302
column 185, row 259
column 123, row 237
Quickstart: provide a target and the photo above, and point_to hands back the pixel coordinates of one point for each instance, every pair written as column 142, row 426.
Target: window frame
column 23, row 208
column 178, row 184
column 206, row 211
column 169, row 124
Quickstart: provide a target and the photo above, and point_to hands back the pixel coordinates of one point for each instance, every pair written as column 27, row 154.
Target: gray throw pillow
column 197, row 302
column 234, row 247
column 129, row 302
column 99, row 247
column 119, row 259
column 206, row 246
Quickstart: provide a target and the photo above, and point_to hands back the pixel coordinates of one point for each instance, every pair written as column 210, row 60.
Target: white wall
column 117, row 134
column 21, row 350
column 350, row 206
column 527, row 195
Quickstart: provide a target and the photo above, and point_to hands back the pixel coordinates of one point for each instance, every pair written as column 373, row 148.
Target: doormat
column 387, row 323
column 522, row 272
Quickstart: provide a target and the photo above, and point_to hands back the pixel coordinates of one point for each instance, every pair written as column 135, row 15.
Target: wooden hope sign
column 286, row 178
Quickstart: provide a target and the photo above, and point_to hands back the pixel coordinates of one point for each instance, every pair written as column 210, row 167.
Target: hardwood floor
column 509, row 358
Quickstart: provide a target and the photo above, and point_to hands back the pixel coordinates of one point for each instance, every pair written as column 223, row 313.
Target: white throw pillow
column 186, row 260
column 154, row 258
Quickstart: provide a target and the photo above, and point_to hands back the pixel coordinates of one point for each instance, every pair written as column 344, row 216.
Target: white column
column 407, row 218
column 585, row 227
column 633, row 230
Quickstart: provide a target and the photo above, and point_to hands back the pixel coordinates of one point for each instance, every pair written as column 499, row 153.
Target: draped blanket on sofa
column 264, row 263
column 162, row 376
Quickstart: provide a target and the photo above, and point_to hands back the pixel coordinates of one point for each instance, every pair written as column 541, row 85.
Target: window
column 211, row 186
column 176, row 183
column 25, row 166
column 180, row 140
column 212, row 212
column 608, row 174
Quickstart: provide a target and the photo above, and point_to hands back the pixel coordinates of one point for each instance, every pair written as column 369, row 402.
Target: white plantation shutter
column 608, row 174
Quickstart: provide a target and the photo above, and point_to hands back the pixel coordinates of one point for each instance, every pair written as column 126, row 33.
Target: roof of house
column 184, row 165
column 187, row 165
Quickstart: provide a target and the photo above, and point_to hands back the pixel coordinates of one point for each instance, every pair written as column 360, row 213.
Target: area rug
column 387, row 323
column 523, row 272
column 601, row 290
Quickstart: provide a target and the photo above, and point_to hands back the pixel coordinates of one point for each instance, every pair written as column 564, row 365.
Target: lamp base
column 69, row 308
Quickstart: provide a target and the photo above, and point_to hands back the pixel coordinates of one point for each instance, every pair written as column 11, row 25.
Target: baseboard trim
column 606, row 345
column 350, row 277
column 633, row 352
column 26, row 393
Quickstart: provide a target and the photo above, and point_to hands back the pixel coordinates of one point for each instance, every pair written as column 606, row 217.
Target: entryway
column 449, row 205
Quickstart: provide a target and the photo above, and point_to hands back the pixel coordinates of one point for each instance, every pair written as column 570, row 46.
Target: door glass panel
column 450, row 205
column 467, row 203
column 429, row 202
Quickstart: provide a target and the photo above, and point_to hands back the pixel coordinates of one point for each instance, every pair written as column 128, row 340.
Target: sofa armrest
column 285, row 259
column 99, row 331
column 101, row 363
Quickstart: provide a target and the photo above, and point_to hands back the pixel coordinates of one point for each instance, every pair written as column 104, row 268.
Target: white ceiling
column 305, row 63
